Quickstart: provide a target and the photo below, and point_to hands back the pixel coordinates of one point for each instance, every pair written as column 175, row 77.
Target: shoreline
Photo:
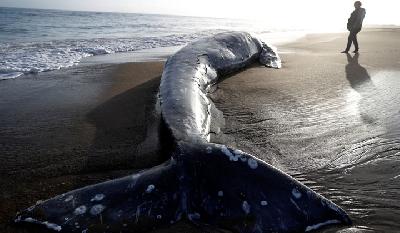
column 151, row 54
column 276, row 39
column 88, row 106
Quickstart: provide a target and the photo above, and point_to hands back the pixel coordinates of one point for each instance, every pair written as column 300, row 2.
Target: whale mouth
column 205, row 183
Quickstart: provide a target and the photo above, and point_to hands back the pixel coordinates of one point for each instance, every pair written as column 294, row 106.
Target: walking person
column 354, row 25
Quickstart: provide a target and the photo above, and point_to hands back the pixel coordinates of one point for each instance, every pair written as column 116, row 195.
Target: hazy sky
column 296, row 13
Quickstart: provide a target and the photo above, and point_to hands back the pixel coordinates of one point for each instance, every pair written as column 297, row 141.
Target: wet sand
column 328, row 119
column 65, row 129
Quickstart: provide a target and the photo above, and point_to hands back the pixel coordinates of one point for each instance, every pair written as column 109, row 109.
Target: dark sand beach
column 65, row 129
column 330, row 120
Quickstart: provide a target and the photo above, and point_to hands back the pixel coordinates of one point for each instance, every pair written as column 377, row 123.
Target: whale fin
column 209, row 184
column 238, row 192
column 139, row 203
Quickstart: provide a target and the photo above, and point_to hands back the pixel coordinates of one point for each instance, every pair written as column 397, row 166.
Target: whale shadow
column 127, row 130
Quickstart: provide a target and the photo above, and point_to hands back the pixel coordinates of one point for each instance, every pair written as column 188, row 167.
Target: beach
column 330, row 120
column 65, row 129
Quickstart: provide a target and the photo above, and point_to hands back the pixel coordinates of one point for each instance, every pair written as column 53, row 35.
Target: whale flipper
column 238, row 192
column 139, row 203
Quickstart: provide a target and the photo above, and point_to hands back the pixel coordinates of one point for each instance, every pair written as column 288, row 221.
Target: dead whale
column 205, row 183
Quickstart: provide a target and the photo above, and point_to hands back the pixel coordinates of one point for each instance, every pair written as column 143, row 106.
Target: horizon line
column 125, row 12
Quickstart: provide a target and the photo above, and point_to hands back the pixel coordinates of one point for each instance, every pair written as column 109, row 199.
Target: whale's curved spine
column 206, row 183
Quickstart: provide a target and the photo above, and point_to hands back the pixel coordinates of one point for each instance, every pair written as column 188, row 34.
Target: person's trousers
column 352, row 39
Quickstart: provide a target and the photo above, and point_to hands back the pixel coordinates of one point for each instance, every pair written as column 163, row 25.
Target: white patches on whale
column 245, row 207
column 232, row 156
column 135, row 176
column 296, row 193
column 238, row 152
column 332, row 206
column 264, row 203
column 150, row 188
column 39, row 202
column 69, row 198
column 98, row 197
column 220, row 193
column 319, row 225
column 80, row 210
column 97, row 209
column 52, row 226
column 194, row 216
column 253, row 164
column 226, row 151
column 295, row 204
column 49, row 225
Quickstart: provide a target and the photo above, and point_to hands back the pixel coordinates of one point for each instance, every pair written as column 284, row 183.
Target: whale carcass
column 205, row 183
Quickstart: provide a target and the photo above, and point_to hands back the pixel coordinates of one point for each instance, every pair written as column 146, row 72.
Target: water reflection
column 361, row 82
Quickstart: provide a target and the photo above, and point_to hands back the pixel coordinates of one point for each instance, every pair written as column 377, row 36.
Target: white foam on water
column 44, row 40
column 33, row 57
column 10, row 75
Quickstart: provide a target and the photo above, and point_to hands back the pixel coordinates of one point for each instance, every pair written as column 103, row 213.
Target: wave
column 34, row 57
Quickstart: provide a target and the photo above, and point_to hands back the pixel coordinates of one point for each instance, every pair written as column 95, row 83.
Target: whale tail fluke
column 136, row 203
column 208, row 184
column 235, row 191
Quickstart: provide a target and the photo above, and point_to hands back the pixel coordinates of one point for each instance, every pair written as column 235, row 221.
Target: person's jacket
column 355, row 21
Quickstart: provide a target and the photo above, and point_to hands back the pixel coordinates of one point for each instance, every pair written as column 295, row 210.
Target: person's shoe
column 345, row 51
column 355, row 51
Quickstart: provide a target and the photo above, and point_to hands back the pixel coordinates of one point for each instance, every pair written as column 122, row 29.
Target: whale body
column 208, row 184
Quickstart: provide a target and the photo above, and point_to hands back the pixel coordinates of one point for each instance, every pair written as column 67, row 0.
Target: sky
column 288, row 13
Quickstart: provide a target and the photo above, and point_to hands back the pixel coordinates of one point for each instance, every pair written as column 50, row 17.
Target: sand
column 66, row 129
column 329, row 119
column 317, row 88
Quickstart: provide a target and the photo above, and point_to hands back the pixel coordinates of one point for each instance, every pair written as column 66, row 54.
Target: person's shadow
column 356, row 74
column 361, row 82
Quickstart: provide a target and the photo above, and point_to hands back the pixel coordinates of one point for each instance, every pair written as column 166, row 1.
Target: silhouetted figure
column 354, row 25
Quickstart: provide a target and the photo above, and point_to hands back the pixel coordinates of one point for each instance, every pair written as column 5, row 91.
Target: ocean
column 36, row 40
